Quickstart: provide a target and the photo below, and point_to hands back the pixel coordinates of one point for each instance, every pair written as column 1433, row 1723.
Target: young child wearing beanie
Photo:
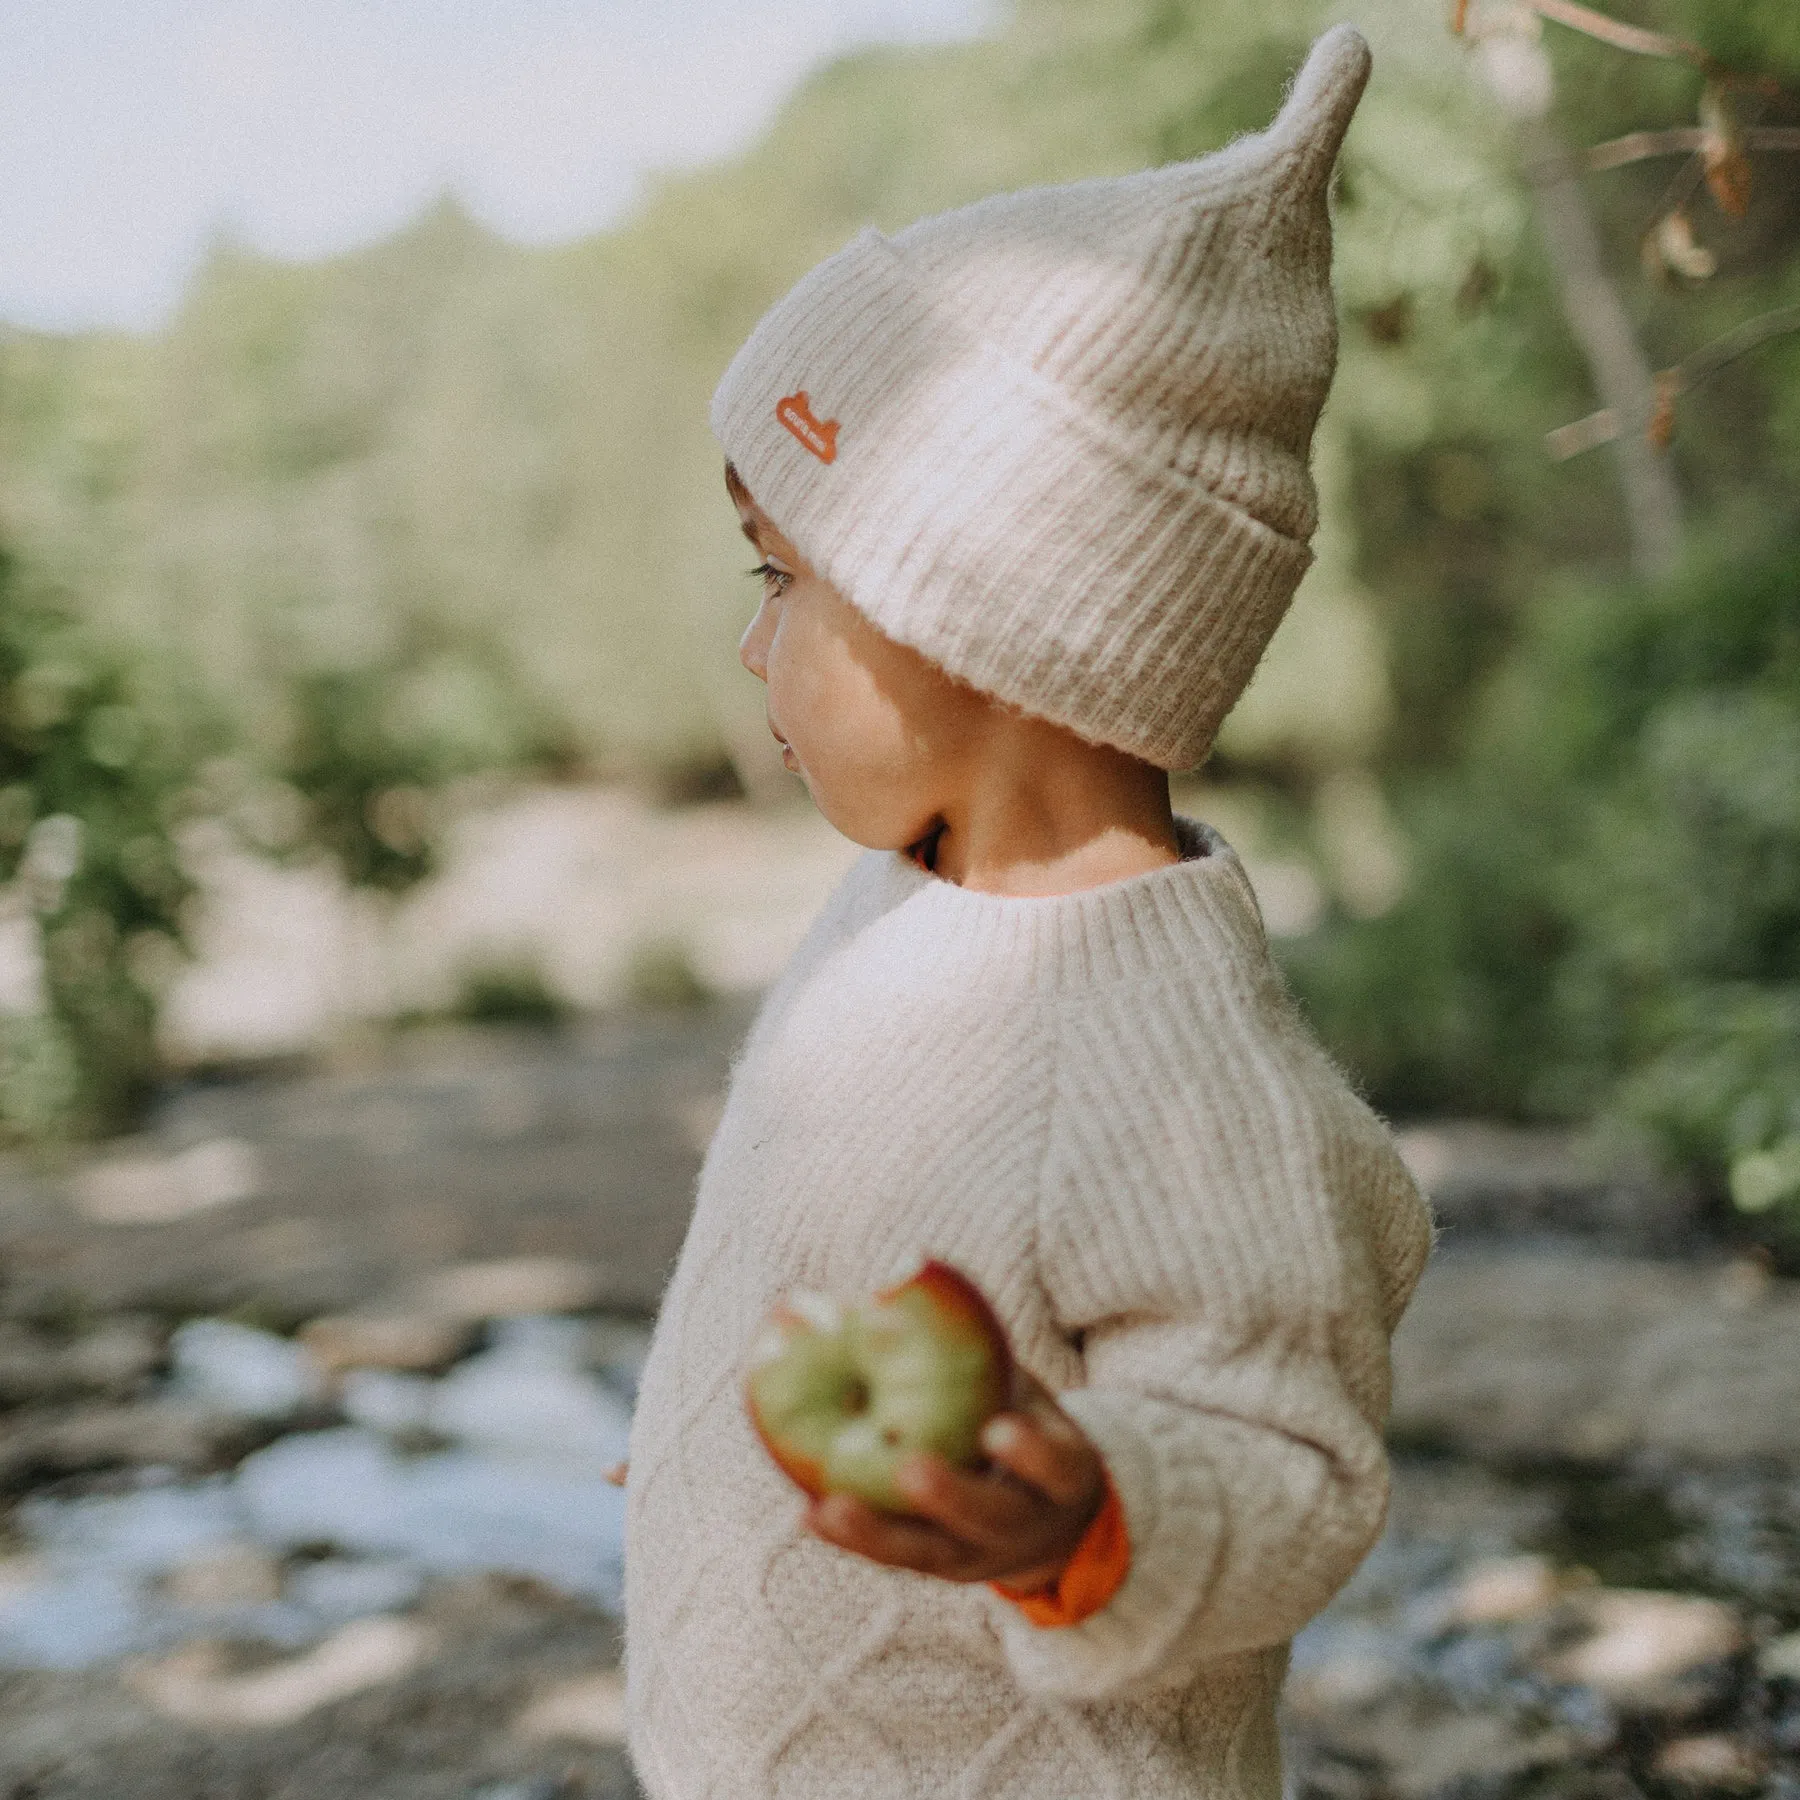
column 1030, row 480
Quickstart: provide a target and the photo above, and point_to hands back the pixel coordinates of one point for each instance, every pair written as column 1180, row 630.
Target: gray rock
column 1780, row 1660
column 511, row 1288
column 385, row 1400
column 542, row 1515
column 1484, row 1746
column 224, row 1575
column 112, row 1361
column 1415, row 1744
column 241, row 1372
column 41, row 1446
column 528, row 1396
column 1523, row 1353
column 154, row 1187
column 1489, row 1180
column 1650, row 1652
column 599, row 1169
column 385, row 1338
column 1713, row 1762
column 349, row 1588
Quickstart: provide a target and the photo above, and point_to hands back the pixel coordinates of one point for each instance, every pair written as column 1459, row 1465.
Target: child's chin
column 860, row 824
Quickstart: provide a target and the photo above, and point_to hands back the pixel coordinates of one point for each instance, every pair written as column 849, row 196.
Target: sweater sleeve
column 1230, row 1266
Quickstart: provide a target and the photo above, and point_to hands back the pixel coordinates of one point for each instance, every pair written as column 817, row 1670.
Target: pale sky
column 131, row 129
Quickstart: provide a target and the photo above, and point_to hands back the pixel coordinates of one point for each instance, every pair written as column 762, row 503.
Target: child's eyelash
column 768, row 572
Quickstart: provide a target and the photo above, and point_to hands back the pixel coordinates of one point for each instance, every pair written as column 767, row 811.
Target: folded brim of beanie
column 970, row 509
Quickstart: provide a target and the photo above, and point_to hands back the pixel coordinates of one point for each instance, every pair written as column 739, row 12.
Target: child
column 1030, row 485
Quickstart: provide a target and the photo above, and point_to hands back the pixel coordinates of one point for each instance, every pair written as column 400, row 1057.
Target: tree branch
column 1602, row 427
column 1640, row 42
column 1638, row 146
column 1625, row 37
column 1751, row 335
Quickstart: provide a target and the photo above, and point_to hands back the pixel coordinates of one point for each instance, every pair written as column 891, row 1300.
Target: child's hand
column 1017, row 1519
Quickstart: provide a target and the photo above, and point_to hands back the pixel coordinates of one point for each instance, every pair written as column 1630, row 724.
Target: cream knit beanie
column 1057, row 441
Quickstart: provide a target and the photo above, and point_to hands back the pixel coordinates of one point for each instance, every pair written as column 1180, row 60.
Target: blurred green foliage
column 445, row 504
column 513, row 443
column 509, row 991
column 1605, row 910
column 372, row 750
column 1612, row 863
column 97, row 752
column 661, row 975
column 1603, row 803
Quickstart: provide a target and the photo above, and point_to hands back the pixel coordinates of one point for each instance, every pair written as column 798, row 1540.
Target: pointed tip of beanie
column 1319, row 106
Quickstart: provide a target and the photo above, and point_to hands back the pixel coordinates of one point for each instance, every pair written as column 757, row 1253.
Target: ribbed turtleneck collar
column 1136, row 928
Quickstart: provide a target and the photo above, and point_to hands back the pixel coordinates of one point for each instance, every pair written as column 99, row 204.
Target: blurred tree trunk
column 1623, row 378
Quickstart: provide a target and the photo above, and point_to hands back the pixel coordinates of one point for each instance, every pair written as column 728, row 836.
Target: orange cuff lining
column 1091, row 1576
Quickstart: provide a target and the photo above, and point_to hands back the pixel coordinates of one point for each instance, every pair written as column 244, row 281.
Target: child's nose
column 753, row 648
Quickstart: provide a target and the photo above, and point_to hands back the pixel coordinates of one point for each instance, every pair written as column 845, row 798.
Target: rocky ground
column 306, row 1399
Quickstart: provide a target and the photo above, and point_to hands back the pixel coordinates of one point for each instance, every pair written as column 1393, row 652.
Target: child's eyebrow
column 748, row 528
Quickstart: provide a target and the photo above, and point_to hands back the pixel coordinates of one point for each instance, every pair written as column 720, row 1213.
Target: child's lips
column 787, row 749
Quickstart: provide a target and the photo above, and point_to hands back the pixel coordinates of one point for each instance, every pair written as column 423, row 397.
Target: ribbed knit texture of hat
column 1057, row 440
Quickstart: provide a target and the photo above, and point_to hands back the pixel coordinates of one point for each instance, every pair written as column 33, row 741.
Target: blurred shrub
column 515, row 440
column 661, row 973
column 97, row 751
column 511, row 992
column 359, row 478
column 370, row 748
column 1605, row 912
column 104, row 751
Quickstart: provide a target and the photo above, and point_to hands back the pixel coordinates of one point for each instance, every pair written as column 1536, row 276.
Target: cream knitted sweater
column 1105, row 1109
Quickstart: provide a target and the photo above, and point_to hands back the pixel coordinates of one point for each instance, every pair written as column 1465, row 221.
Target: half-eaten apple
column 841, row 1394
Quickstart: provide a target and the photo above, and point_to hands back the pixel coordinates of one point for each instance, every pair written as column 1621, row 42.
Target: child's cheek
column 851, row 738
column 860, row 784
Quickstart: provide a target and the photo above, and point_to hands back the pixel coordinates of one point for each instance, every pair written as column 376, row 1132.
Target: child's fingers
column 1047, row 1449
column 899, row 1541
column 975, row 1508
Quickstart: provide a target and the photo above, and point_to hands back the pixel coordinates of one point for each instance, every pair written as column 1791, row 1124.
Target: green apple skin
column 841, row 1394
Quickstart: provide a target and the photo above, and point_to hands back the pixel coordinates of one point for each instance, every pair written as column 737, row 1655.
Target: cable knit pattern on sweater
column 1104, row 1107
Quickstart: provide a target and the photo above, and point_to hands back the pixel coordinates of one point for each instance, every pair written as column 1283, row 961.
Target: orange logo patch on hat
column 817, row 435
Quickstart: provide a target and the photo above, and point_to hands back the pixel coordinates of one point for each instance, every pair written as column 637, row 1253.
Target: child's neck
column 1041, row 812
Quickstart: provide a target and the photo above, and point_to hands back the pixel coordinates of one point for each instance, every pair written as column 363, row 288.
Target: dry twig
column 1684, row 140
column 1640, row 42
column 1621, row 36
column 1602, row 427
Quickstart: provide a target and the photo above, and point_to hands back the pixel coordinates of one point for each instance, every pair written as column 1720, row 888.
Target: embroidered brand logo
column 818, row 435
